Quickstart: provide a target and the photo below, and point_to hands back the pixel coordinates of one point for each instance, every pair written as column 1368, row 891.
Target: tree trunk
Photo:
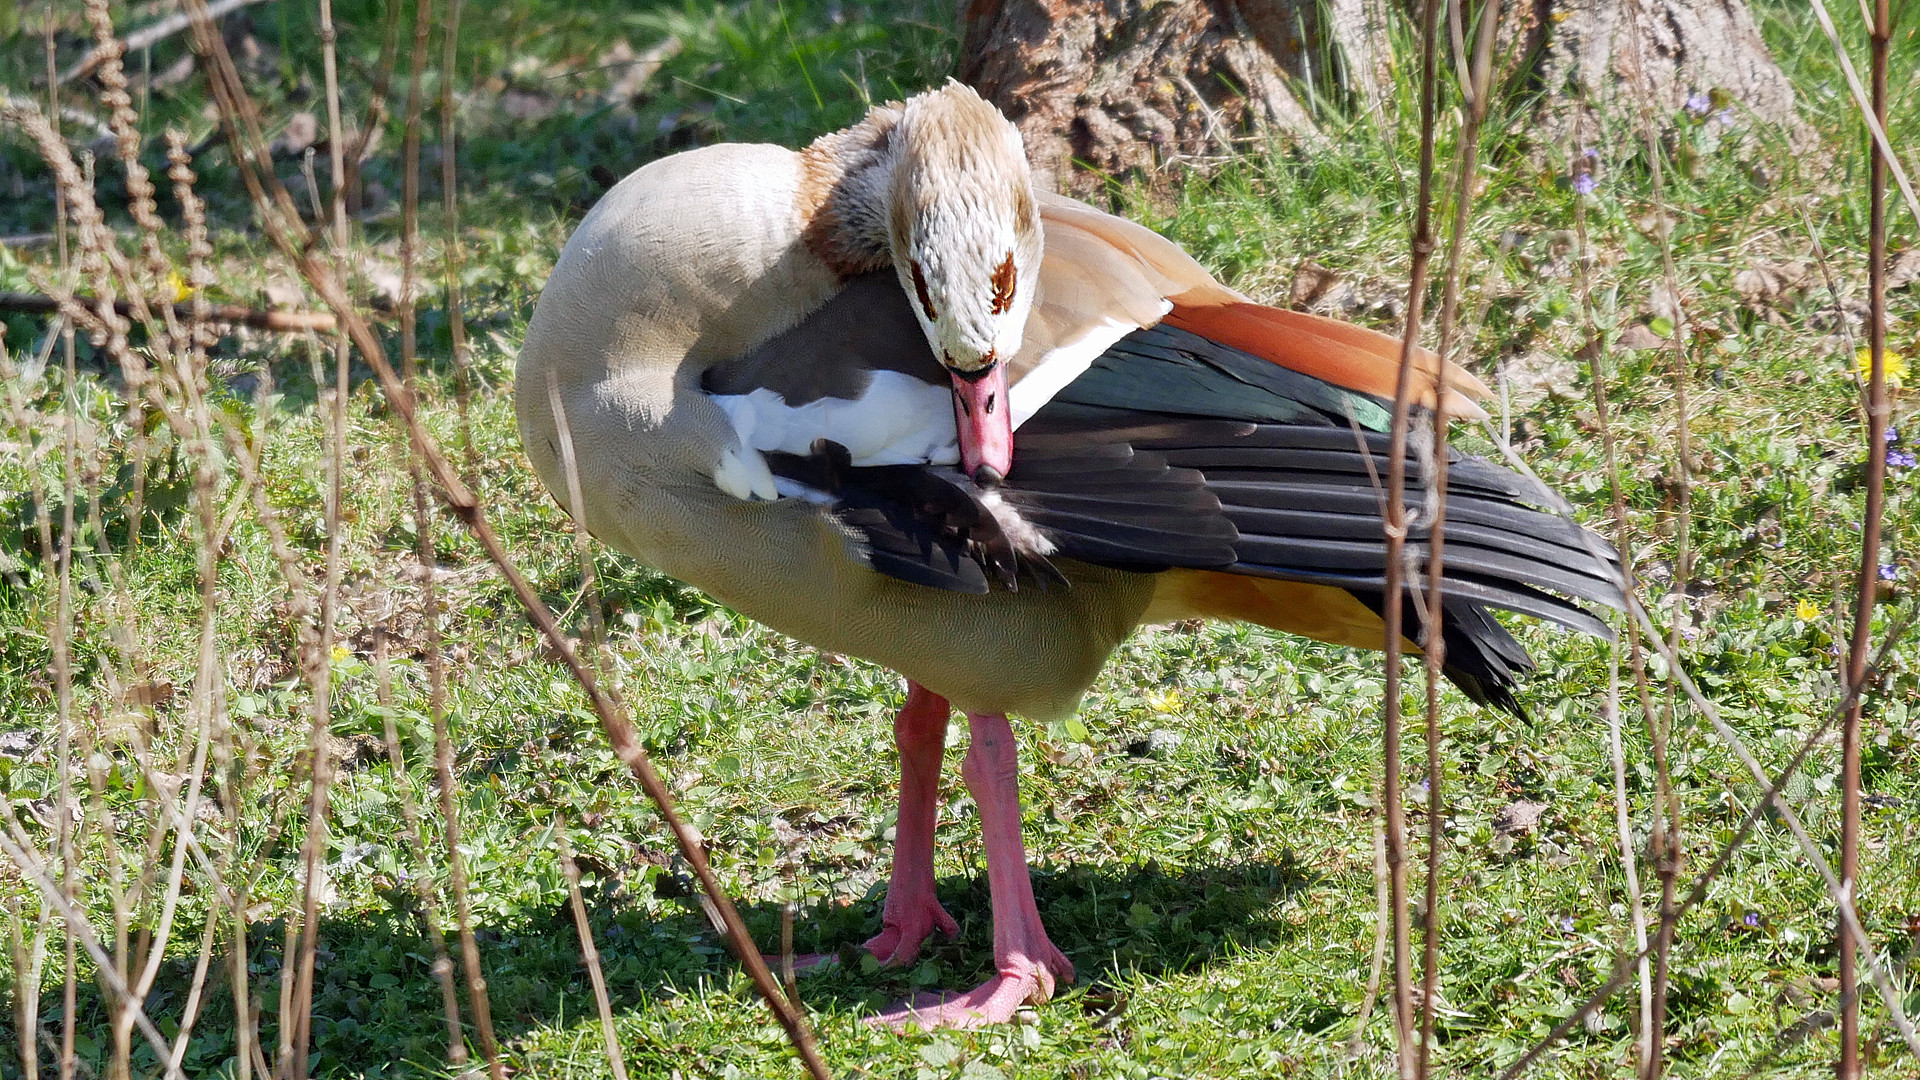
column 1599, row 58
column 1113, row 88
column 1119, row 87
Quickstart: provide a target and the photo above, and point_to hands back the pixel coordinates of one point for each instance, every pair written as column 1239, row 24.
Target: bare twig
column 376, row 111
column 259, row 319
column 1868, row 580
column 1393, row 602
column 425, row 550
column 1651, row 997
column 588, row 952
column 147, row 36
column 453, row 256
column 416, row 843
column 1381, row 917
column 190, row 1012
column 289, row 234
column 1476, row 85
column 106, row 969
column 1668, row 850
column 1867, row 110
column 1625, row 963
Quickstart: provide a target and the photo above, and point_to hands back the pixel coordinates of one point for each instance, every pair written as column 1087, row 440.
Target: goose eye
column 920, row 291
column 1003, row 282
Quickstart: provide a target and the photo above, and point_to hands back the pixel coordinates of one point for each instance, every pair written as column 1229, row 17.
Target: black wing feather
column 1175, row 451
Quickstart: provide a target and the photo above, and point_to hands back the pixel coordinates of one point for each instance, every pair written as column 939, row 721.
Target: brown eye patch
column 1003, row 281
column 920, row 291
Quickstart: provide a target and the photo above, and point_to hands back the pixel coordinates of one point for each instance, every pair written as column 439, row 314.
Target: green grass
column 1215, row 892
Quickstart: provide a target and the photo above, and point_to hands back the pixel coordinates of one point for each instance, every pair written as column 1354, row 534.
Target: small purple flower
column 1725, row 116
column 1888, row 571
column 1752, row 918
column 1901, row 459
column 1698, row 104
column 1893, row 435
column 1566, row 924
column 1585, row 183
column 1590, row 154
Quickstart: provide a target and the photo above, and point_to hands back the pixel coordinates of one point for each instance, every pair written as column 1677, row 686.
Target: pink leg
column 912, row 911
column 1028, row 963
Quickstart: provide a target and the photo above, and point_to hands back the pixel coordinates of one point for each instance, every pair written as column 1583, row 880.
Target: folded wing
column 1170, row 426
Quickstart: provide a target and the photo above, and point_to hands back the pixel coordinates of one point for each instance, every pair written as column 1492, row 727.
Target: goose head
column 964, row 233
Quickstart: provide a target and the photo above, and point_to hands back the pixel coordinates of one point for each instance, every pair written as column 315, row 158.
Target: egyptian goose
column 794, row 380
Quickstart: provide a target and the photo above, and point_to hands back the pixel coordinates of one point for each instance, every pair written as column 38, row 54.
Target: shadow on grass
column 377, row 1006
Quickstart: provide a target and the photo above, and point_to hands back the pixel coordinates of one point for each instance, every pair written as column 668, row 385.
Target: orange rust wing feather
column 1346, row 355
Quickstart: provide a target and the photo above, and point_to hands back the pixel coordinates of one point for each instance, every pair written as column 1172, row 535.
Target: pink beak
column 985, row 420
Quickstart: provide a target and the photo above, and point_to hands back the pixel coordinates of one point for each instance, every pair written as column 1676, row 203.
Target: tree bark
column 1115, row 88
column 1123, row 87
column 1596, row 59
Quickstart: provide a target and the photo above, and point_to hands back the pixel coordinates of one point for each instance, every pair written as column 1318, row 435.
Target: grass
column 1203, row 832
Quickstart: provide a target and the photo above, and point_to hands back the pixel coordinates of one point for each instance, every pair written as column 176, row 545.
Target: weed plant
column 1203, row 832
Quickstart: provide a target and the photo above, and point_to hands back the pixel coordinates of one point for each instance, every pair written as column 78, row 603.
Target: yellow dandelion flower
column 1806, row 610
column 1898, row 372
column 340, row 653
column 178, row 286
column 1164, row 702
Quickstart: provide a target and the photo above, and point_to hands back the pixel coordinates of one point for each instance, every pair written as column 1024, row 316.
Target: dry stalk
column 14, row 845
column 190, row 1012
column 1889, row 993
column 1393, row 603
column 63, row 678
column 1669, row 852
column 319, row 737
column 410, row 193
column 1624, row 963
column 423, row 533
column 1381, row 916
column 1476, row 84
column 416, row 842
column 450, row 207
column 590, row 595
column 589, row 582
column 289, row 234
column 258, row 318
column 28, row 963
column 175, row 341
column 1651, row 998
column 376, row 111
column 1868, row 111
column 443, row 770
column 25, row 987
column 1878, row 411
column 588, row 952
column 142, row 39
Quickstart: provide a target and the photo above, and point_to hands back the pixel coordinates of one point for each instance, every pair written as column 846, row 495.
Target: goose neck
column 846, row 193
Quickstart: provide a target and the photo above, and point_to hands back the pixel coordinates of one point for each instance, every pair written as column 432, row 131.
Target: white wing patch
column 899, row 420
column 1064, row 363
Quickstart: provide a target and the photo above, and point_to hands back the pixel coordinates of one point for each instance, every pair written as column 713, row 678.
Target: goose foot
column 906, row 927
column 1028, row 963
column 992, row 1002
